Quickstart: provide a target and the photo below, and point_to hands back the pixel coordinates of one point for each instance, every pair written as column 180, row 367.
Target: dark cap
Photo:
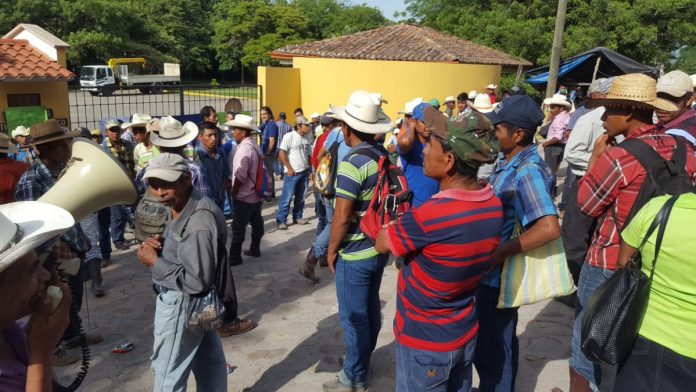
column 518, row 110
column 326, row 118
column 517, row 90
column 282, row 115
column 472, row 139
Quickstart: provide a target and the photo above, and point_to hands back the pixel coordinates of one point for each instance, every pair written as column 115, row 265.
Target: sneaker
column 301, row 221
column 337, row 386
column 282, row 226
column 238, row 327
column 121, row 246
column 75, row 341
column 63, row 358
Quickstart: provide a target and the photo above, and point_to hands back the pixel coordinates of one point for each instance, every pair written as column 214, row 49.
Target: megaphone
column 93, row 179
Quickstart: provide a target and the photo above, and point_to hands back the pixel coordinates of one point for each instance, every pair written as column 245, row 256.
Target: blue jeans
column 359, row 309
column 177, row 350
column 292, row 186
column 119, row 217
column 321, row 243
column 320, row 211
column 420, row 370
column 90, row 226
column 590, row 279
column 497, row 348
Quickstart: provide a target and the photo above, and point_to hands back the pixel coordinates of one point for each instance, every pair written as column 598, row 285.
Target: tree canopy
column 649, row 31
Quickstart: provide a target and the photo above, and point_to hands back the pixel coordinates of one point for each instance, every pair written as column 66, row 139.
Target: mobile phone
column 56, row 295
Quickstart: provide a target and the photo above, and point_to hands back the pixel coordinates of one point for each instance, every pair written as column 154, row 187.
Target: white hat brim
column 190, row 133
column 40, row 222
column 235, row 124
column 134, row 124
column 382, row 125
column 550, row 101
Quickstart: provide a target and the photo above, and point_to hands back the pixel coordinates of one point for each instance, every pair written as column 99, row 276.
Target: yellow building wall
column 54, row 95
column 281, row 89
column 330, row 81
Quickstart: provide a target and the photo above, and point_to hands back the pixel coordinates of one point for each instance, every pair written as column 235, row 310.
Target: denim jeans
column 119, row 217
column 497, row 347
column 652, row 367
column 90, row 226
column 177, row 350
column 569, row 177
column 590, row 279
column 420, row 370
column 321, row 243
column 269, row 163
column 553, row 155
column 292, row 186
column 320, row 211
column 359, row 309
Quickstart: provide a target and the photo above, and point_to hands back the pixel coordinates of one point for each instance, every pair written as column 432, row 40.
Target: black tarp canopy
column 580, row 68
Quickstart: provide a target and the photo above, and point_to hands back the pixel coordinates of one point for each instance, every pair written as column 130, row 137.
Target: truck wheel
column 94, row 93
column 156, row 88
column 144, row 90
column 107, row 91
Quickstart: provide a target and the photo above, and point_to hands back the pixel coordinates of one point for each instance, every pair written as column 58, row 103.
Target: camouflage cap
column 472, row 139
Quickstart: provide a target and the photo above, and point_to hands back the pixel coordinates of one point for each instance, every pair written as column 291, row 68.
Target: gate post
column 181, row 100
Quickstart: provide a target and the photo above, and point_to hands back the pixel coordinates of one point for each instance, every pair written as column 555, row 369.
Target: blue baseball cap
column 418, row 111
column 518, row 110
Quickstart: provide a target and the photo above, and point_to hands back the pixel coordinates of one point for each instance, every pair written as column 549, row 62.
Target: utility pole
column 556, row 49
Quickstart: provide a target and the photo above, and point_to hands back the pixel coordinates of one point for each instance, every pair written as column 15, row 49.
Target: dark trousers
column 104, row 219
column 245, row 213
column 553, row 155
column 576, row 231
column 652, row 367
column 76, row 285
column 497, row 347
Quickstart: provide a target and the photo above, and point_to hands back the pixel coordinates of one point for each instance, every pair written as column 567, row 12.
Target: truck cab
column 94, row 77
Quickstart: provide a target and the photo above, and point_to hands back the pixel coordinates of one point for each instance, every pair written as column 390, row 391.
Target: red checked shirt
column 610, row 188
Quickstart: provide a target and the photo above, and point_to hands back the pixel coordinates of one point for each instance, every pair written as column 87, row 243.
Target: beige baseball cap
column 675, row 83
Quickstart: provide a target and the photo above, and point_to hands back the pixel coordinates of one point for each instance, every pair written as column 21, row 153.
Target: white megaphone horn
column 92, row 180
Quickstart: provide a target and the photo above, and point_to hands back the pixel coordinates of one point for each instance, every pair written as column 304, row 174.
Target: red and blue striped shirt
column 447, row 243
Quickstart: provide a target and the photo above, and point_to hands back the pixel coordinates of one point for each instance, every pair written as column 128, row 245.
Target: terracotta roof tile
column 401, row 42
column 21, row 61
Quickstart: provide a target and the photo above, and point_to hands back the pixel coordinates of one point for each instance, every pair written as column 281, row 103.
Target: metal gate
column 183, row 101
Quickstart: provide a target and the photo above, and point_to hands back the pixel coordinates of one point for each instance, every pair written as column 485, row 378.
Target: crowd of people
column 482, row 171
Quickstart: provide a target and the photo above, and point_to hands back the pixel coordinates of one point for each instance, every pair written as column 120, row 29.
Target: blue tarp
column 542, row 78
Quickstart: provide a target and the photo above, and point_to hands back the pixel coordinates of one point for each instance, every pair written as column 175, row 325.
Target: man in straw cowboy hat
column 27, row 231
column 351, row 255
column 52, row 141
column 522, row 181
column 452, row 236
column 10, row 169
column 610, row 189
column 137, row 123
column 450, row 103
column 185, row 261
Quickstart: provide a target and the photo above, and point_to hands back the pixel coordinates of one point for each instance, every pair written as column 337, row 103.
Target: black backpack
column 663, row 177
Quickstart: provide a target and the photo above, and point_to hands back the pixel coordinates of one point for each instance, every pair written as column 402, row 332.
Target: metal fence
column 183, row 101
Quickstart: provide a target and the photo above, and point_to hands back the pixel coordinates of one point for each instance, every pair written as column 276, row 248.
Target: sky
column 388, row 7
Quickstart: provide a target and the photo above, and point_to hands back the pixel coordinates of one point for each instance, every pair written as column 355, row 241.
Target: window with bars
column 19, row 100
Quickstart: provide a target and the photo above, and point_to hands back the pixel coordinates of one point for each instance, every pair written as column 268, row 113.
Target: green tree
column 686, row 60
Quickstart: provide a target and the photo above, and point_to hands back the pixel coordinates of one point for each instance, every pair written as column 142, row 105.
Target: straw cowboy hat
column 450, row 98
column 243, row 121
column 26, row 225
column 6, row 145
column 137, row 120
column 173, row 134
column 364, row 113
column 50, row 131
column 482, row 103
column 633, row 90
column 410, row 105
column 20, row 131
column 558, row 100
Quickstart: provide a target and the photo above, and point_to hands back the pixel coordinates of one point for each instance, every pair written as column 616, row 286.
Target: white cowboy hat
column 173, row 134
column 472, row 94
column 6, row 145
column 492, row 86
column 410, row 105
column 25, row 225
column 482, row 103
column 450, row 99
column 364, row 113
column 137, row 120
column 315, row 115
column 557, row 99
column 20, row 131
column 243, row 121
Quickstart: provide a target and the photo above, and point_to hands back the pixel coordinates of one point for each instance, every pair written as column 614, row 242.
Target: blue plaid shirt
column 524, row 186
column 36, row 181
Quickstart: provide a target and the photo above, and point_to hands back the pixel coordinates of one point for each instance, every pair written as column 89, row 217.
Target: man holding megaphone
column 52, row 141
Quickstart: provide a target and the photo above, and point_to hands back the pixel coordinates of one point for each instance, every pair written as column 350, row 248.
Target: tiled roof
column 21, row 61
column 401, row 42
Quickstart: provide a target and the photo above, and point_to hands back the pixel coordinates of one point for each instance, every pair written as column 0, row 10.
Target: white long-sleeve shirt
column 580, row 145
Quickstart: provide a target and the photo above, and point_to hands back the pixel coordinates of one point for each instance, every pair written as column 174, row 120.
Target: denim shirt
column 217, row 169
